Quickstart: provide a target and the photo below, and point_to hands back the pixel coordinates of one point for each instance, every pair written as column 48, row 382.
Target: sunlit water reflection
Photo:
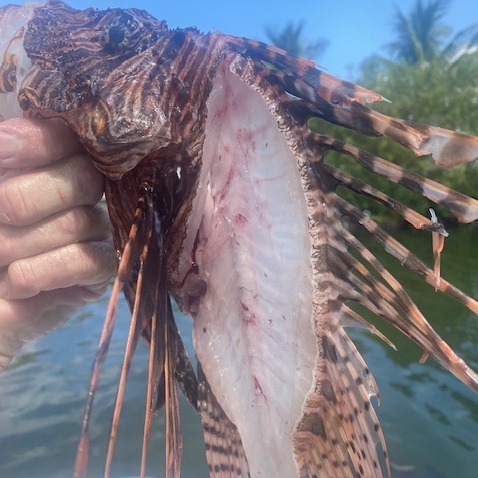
column 430, row 419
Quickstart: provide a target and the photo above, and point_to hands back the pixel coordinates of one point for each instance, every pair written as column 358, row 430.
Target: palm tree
column 421, row 35
column 290, row 38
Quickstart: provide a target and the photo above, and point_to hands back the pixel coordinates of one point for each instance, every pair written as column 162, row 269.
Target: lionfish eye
column 122, row 34
column 116, row 34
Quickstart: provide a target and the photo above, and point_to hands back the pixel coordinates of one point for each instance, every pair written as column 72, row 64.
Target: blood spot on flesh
column 220, row 112
column 248, row 316
column 240, row 220
column 257, row 386
column 245, row 138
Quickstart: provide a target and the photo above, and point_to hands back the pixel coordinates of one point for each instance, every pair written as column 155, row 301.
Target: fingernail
column 9, row 145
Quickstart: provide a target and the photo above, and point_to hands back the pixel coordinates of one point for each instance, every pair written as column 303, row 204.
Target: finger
column 27, row 143
column 34, row 195
column 25, row 320
column 87, row 264
column 79, row 224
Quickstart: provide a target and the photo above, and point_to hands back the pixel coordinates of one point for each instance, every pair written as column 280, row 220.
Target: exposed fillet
column 249, row 238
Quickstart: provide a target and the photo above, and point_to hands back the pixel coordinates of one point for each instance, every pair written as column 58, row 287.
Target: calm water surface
column 429, row 418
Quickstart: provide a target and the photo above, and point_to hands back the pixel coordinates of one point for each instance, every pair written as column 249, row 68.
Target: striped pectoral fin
column 398, row 309
column 463, row 207
column 345, row 108
column 174, row 443
column 356, row 282
column 184, row 372
column 353, row 281
column 299, row 77
column 438, row 243
column 338, row 427
column 316, row 86
column 224, row 451
column 415, row 219
column 447, row 147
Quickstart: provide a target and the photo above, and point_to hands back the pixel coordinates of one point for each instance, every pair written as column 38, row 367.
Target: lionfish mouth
column 220, row 197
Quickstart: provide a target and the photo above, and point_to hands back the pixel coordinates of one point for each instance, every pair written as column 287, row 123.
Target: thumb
column 30, row 143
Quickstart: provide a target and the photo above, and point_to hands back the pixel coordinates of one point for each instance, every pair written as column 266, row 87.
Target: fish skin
column 141, row 142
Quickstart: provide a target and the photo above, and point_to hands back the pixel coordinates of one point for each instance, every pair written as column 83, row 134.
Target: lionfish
column 220, row 197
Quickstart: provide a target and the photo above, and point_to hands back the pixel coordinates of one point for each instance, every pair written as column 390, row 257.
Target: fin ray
column 224, row 451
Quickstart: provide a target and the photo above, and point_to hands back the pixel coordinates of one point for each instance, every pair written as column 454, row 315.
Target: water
column 430, row 419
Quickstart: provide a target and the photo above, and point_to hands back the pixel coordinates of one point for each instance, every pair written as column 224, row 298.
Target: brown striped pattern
column 77, row 64
column 339, row 431
column 224, row 452
column 135, row 93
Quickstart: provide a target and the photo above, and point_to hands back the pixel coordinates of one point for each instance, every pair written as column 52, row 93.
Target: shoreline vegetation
column 429, row 74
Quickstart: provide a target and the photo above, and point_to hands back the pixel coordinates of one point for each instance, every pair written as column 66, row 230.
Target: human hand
column 56, row 252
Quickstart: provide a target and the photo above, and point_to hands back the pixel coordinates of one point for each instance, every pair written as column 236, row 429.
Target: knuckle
column 109, row 259
column 88, row 263
column 101, row 264
column 74, row 255
column 90, row 180
column 14, row 205
column 102, row 222
column 74, row 221
column 85, row 223
column 7, row 248
column 21, row 275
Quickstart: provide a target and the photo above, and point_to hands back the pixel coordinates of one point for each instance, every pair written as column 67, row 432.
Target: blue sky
column 354, row 28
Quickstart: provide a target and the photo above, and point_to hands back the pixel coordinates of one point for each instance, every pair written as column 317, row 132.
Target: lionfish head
column 94, row 69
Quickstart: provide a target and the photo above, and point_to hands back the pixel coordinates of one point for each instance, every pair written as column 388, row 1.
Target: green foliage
column 435, row 81
column 290, row 38
column 432, row 79
column 420, row 34
column 441, row 94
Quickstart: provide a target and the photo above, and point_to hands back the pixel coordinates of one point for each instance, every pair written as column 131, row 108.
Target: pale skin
column 56, row 252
